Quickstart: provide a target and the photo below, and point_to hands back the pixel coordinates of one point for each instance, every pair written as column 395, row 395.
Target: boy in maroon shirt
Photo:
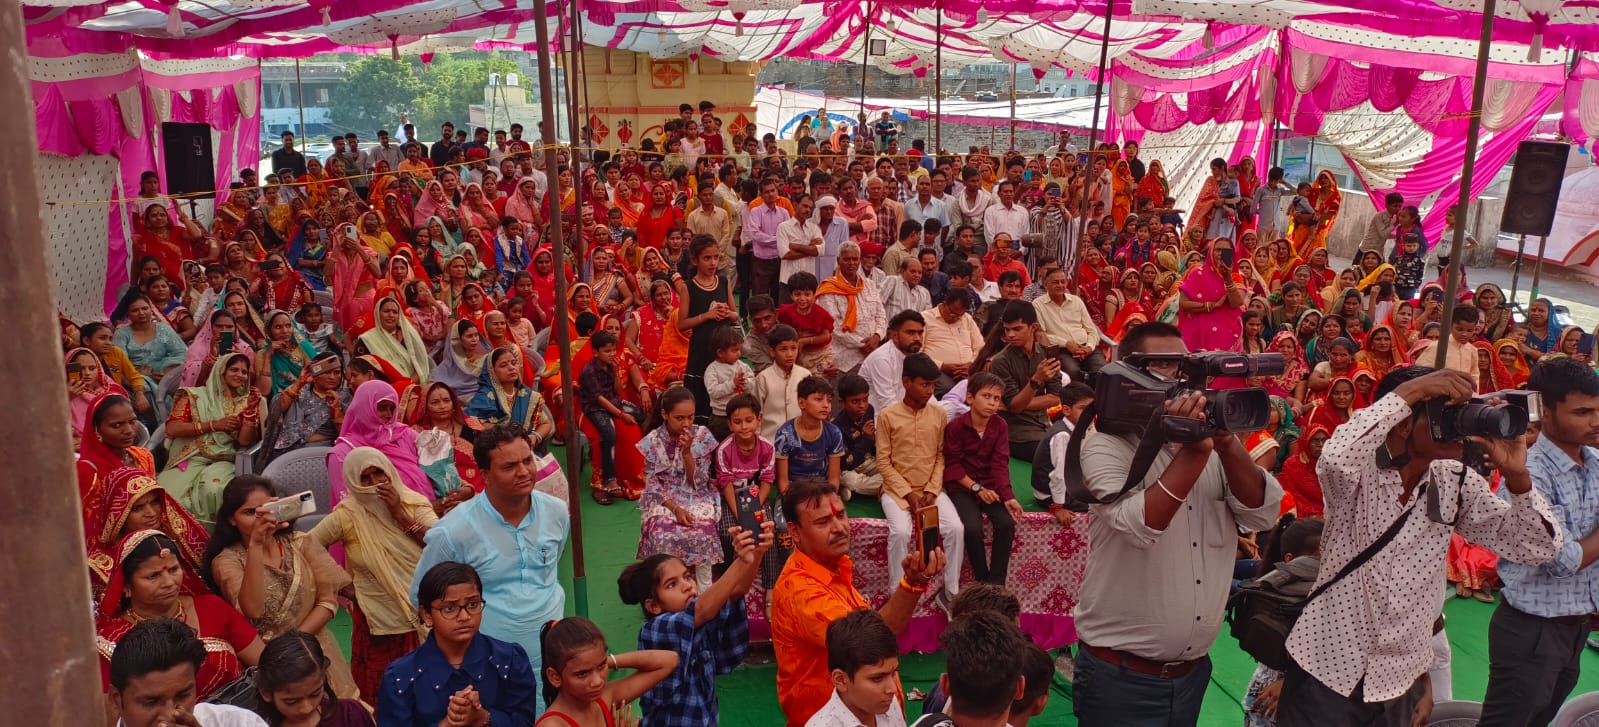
column 977, row 476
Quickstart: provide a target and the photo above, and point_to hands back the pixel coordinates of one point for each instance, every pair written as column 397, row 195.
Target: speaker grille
column 1534, row 188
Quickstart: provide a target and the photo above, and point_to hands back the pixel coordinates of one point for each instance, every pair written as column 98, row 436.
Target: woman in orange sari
column 1122, row 188
column 652, row 336
column 1153, row 186
column 1382, row 352
column 1326, row 198
column 316, row 182
column 1515, row 363
column 1492, row 375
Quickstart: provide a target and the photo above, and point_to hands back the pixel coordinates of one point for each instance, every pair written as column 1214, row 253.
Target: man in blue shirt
column 1536, row 636
column 513, row 536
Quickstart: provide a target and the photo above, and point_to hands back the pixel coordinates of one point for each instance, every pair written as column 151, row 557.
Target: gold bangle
column 906, row 586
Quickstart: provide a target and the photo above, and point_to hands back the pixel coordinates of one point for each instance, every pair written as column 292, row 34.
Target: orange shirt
column 807, row 598
column 787, row 206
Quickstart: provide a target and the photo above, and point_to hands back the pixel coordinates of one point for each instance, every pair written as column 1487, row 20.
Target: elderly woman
column 396, row 341
column 374, row 420
column 128, row 500
column 381, row 524
column 279, row 579
column 207, row 426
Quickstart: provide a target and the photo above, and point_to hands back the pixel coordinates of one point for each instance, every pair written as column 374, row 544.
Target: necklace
column 134, row 616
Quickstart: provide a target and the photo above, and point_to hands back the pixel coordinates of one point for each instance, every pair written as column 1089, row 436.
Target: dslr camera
column 1129, row 399
column 1479, row 417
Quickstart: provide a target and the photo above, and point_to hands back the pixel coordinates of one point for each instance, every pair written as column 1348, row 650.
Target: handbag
column 548, row 477
column 240, row 692
column 1261, row 615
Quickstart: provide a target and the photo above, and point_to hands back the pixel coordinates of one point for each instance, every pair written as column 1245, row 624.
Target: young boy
column 813, row 322
column 726, row 376
column 976, row 598
column 910, row 456
column 977, row 475
column 1038, row 671
column 1049, row 468
column 1461, row 355
column 863, row 658
column 809, row 446
column 858, row 421
column 983, row 671
column 777, row 387
column 762, row 311
column 1410, row 265
column 602, row 406
column 1300, row 210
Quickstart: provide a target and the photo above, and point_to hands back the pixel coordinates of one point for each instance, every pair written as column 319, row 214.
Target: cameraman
column 1145, row 638
column 1361, row 649
column 1536, row 636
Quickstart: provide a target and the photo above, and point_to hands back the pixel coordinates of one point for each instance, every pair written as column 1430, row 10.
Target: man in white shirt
column 904, row 291
column 799, row 242
column 883, row 369
column 1006, row 216
column 1362, row 649
column 924, row 206
column 972, row 203
column 1065, row 321
column 848, row 289
column 154, row 671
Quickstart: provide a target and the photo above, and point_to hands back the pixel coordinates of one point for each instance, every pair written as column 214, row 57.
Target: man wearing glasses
column 513, row 536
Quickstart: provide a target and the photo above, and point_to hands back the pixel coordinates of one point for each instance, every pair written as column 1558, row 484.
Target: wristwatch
column 1035, row 385
column 977, row 487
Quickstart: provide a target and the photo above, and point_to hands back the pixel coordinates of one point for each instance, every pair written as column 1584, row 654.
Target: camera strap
column 1148, row 447
column 1371, row 551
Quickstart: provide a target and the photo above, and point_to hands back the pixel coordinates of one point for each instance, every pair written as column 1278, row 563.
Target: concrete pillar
column 46, row 627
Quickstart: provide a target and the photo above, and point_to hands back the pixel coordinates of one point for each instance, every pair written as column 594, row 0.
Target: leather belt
column 1131, row 662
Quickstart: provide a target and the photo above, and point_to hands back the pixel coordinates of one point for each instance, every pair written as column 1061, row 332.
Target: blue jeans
column 1106, row 694
column 605, row 425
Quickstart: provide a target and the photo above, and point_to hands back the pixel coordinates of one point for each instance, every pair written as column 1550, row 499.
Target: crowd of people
column 760, row 332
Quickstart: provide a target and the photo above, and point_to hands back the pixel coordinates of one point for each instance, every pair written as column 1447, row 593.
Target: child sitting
column 679, row 506
column 858, row 421
column 809, row 446
column 777, row 387
column 746, row 460
column 977, row 475
column 910, row 454
column 601, row 404
column 708, row 629
column 863, row 658
column 813, row 322
column 577, row 667
column 726, row 376
column 323, row 336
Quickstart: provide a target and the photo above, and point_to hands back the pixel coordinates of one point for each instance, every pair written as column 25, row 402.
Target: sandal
column 600, row 495
column 631, row 492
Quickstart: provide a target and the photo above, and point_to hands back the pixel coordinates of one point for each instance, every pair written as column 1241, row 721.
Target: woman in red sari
column 1125, row 304
column 1291, row 383
column 660, row 217
column 1492, row 375
column 497, row 333
column 1153, row 186
column 280, row 287
column 132, row 500
column 1094, row 278
column 149, row 582
column 170, row 245
column 475, row 304
column 1339, row 404
column 1299, row 478
column 629, row 461
column 651, row 334
column 442, row 409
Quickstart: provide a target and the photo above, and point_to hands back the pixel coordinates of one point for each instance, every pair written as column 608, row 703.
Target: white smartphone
column 291, row 508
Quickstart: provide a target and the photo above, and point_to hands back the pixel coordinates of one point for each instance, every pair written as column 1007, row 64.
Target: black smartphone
column 1226, row 256
column 927, row 531
column 74, row 372
column 225, row 342
column 1585, row 344
column 751, row 514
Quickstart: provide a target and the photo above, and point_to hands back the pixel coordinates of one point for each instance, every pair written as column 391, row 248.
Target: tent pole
column 563, row 337
column 1013, row 107
column 866, row 57
column 1457, row 256
column 1515, row 272
column 1093, row 136
column 578, row 143
column 938, row 87
column 299, row 90
column 59, row 684
column 1537, row 274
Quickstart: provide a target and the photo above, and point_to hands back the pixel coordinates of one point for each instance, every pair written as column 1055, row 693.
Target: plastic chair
column 143, row 438
column 156, row 438
column 165, row 391
column 1579, row 711
column 303, row 469
column 1455, row 714
column 244, row 459
column 323, row 298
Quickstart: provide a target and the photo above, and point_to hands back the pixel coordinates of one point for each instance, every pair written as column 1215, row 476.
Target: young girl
column 696, row 625
column 292, row 679
column 745, row 459
column 577, row 667
column 322, row 335
column 679, row 504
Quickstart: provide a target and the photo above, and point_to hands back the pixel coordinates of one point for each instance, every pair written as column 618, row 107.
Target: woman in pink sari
column 523, row 203
column 1211, row 303
column 355, row 275
column 476, row 211
column 435, row 202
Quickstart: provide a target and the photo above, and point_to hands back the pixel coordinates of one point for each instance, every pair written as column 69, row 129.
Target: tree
column 375, row 91
column 450, row 85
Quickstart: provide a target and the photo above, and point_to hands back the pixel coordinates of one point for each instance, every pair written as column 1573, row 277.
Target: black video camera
column 1481, row 418
column 1129, row 399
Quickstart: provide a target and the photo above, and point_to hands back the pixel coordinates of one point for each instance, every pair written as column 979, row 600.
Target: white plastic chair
column 1579, row 711
column 1455, row 714
column 304, row 469
column 165, row 391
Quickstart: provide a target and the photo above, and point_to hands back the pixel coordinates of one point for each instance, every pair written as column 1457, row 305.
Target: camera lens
column 1239, row 410
column 1493, row 422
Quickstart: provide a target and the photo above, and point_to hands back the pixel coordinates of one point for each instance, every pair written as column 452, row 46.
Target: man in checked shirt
column 1362, row 648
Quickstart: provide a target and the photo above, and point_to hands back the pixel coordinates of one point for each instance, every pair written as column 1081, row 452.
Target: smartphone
column 290, row 508
column 74, row 373
column 1585, row 344
column 324, row 366
column 1226, row 256
column 751, row 515
column 225, row 342
column 927, row 531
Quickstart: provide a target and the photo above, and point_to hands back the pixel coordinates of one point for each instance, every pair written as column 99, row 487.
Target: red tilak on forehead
column 838, row 508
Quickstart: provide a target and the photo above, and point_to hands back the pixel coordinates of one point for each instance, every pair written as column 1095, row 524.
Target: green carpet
column 749, row 695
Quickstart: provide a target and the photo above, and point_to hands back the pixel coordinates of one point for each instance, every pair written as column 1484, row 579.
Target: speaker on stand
column 1530, row 203
column 190, row 163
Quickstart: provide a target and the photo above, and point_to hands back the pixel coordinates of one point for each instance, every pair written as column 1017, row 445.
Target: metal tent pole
column 866, row 58
column 299, row 87
column 563, row 337
column 1457, row 257
column 1013, row 106
column 938, row 86
column 1093, row 139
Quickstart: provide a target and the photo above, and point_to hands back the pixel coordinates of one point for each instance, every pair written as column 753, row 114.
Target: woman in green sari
column 207, row 427
column 278, row 365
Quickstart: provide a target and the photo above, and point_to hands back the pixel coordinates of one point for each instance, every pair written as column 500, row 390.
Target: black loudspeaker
column 1534, row 188
column 191, row 167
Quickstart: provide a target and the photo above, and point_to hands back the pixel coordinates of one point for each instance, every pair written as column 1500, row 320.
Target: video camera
column 1479, row 417
column 1129, row 399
